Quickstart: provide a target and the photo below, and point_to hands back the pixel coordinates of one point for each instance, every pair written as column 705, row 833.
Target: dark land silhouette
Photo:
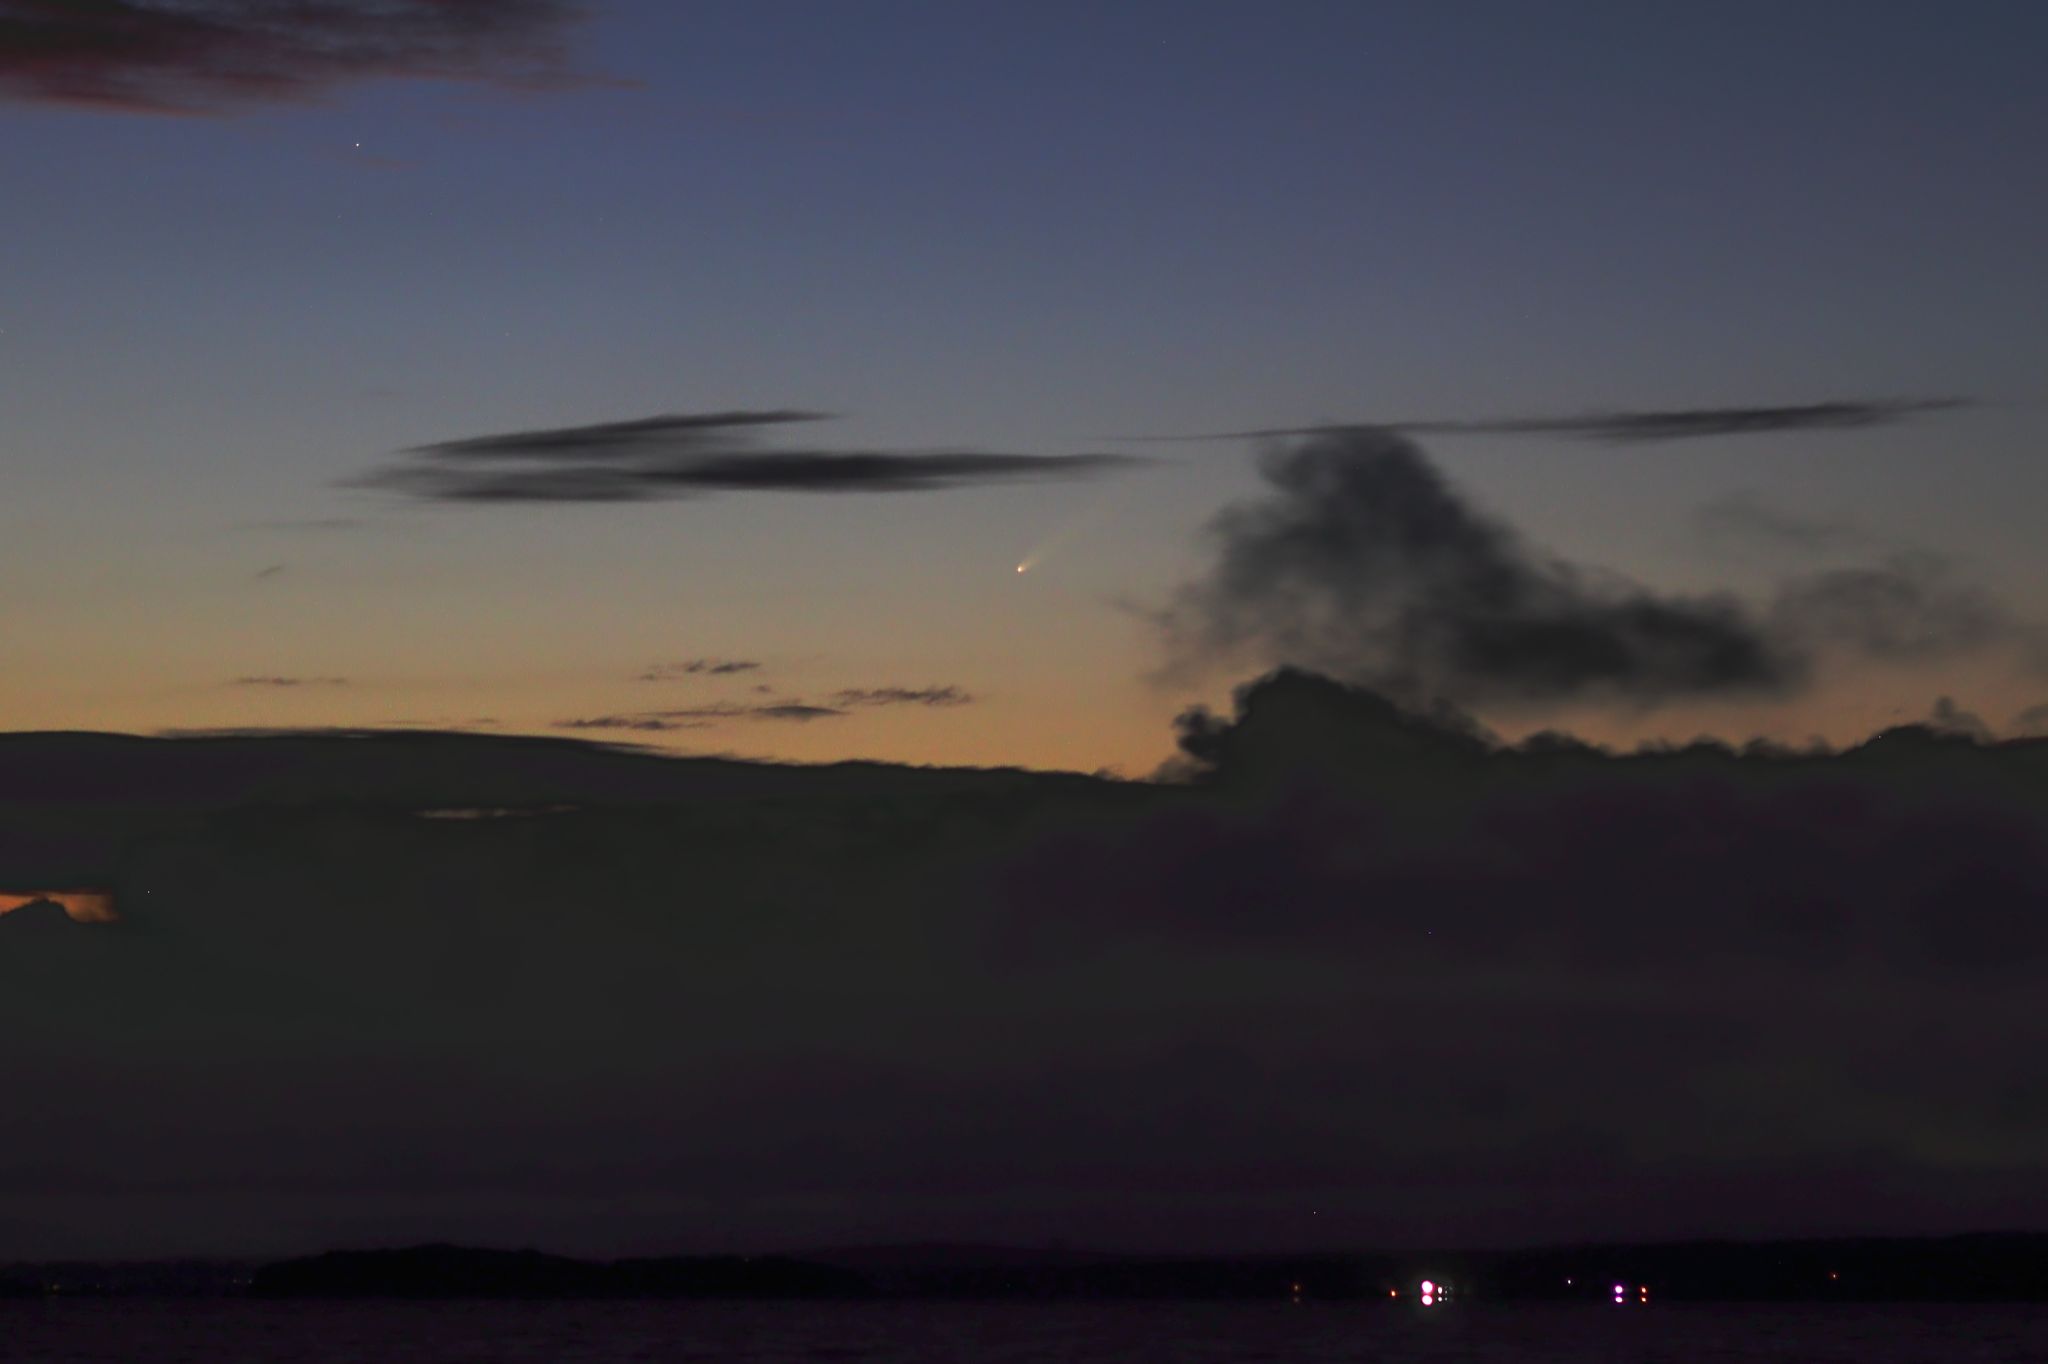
column 1989, row 1267
column 1355, row 976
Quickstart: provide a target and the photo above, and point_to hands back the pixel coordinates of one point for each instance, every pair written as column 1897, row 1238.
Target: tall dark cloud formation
column 686, row 455
column 1362, row 561
column 189, row 56
column 1363, row 960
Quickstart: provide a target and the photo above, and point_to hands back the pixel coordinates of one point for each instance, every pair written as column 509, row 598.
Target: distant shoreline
column 1981, row 1267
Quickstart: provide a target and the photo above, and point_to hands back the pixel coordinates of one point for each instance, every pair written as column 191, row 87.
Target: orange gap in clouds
column 83, row 906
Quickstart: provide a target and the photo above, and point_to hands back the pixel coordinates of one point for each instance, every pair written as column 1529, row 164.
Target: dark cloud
column 689, row 455
column 1634, row 427
column 189, row 56
column 699, row 667
column 791, row 712
column 903, row 696
column 289, row 682
column 1363, row 960
column 1364, row 563
column 646, row 723
column 2033, row 721
column 702, row 717
column 608, row 441
column 1907, row 609
column 1947, row 717
column 265, row 574
column 797, row 711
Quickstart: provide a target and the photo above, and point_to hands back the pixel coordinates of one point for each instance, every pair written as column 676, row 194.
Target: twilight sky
column 265, row 298
column 702, row 375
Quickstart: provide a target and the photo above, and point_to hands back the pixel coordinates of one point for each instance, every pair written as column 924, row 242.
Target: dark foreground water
column 227, row 1332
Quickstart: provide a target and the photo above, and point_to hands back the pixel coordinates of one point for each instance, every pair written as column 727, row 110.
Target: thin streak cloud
column 682, row 455
column 936, row 697
column 699, row 667
column 1636, row 427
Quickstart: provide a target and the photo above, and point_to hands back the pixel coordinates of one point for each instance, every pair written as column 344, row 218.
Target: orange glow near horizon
column 83, row 906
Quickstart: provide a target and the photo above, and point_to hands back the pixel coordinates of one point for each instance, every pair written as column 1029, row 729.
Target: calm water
column 163, row 1332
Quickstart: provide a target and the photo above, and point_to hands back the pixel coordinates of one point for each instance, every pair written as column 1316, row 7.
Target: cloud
column 842, row 703
column 699, row 667
column 2033, row 721
column 690, row 455
column 289, row 682
column 1907, row 609
column 1743, row 517
column 903, row 696
column 1363, row 562
column 647, row 723
column 1947, row 717
column 613, row 440
column 1633, row 427
column 702, row 717
column 797, row 711
column 1366, row 960
column 265, row 574
column 197, row 56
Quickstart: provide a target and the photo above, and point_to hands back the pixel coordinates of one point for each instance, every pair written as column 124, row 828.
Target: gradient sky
column 1013, row 228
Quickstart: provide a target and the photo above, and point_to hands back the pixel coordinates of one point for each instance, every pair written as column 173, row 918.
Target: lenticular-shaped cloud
column 684, row 455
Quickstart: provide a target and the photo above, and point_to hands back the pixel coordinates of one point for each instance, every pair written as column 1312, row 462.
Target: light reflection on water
column 226, row 1332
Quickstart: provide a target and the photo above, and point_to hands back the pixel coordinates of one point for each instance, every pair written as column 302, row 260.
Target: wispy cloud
column 2032, row 722
column 699, row 667
column 204, row 56
column 703, row 717
column 1746, row 518
column 1630, row 427
column 939, row 697
column 843, row 703
column 796, row 711
column 685, row 455
column 644, row 723
column 289, row 682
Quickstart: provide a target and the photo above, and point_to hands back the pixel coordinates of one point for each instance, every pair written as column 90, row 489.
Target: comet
column 1088, row 515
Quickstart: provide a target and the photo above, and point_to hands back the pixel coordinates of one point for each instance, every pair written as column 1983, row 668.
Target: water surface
column 165, row 1331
